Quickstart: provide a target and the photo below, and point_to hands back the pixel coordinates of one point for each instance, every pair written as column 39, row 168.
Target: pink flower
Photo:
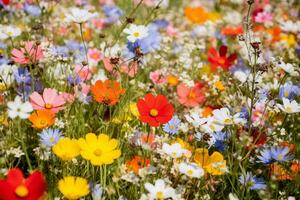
column 171, row 31
column 50, row 100
column 98, row 23
column 29, row 54
column 130, row 70
column 68, row 97
column 190, row 97
column 157, row 77
column 95, row 55
column 263, row 17
column 83, row 72
column 258, row 115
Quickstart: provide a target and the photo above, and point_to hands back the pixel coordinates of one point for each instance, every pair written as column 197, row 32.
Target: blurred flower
column 99, row 149
column 197, row 15
column 191, row 97
column 83, row 72
column 50, row 100
column 136, row 32
column 288, row 90
column 9, row 32
column 97, row 192
column 32, row 9
column 160, row 190
column 107, row 92
column 31, row 53
column 17, row 108
column 16, row 187
column 289, row 106
column 95, row 55
column 155, row 110
column 73, row 187
column 191, row 170
column 174, row 150
column 172, row 127
column 289, row 68
column 50, row 137
column 157, row 77
column 137, row 163
column 263, row 17
column 112, row 13
column 220, row 59
column 66, row 148
column 252, row 182
column 22, row 76
column 79, row 16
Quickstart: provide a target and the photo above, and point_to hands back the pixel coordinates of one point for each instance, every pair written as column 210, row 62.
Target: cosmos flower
column 42, row 119
column 155, row 110
column 252, row 181
column 66, row 148
column 31, row 53
column 160, row 190
column 17, row 108
column 137, row 163
column 73, row 187
column 191, row 97
column 136, row 32
column 220, row 59
column 289, row 106
column 191, row 170
column 79, row 16
column 50, row 137
column 16, row 187
column 172, row 127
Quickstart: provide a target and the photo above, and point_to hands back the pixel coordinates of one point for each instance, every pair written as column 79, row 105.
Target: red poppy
column 5, row 2
column 16, row 187
column 155, row 110
column 220, row 59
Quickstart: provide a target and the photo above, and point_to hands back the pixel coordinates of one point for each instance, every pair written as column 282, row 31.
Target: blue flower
column 74, row 80
column 288, row 90
column 61, row 51
column 265, row 156
column 97, row 191
column 22, row 76
column 32, row 10
column 172, row 127
column 280, row 154
column 219, row 138
column 252, row 181
column 113, row 13
column 50, row 137
column 160, row 23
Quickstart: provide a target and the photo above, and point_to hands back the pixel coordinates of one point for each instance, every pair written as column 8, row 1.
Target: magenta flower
column 50, row 100
column 31, row 53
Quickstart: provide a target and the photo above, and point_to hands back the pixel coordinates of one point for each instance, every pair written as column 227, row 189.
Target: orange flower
column 196, row 15
column 107, row 92
column 42, row 119
column 207, row 111
column 280, row 173
column 137, row 163
column 232, row 30
column 295, row 167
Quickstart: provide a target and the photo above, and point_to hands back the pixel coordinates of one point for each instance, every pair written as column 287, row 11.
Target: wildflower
column 99, row 149
column 190, row 97
column 289, row 68
column 289, row 106
column 280, row 172
column 265, row 156
column 157, row 77
column 172, row 80
column 191, row 170
column 22, row 76
column 50, row 137
column 197, row 15
column 232, row 30
column 155, row 110
column 280, row 154
column 112, row 13
column 9, row 32
column 252, row 181
column 211, row 125
column 213, row 164
column 172, row 127
column 42, row 119
column 73, row 187
column 97, row 192
column 220, row 59
column 288, row 90
column 195, row 119
column 31, row 53
column 160, row 190
column 223, row 116
column 66, row 148
column 79, row 16
column 137, row 163
column 95, row 55
column 174, row 150
column 17, row 108
column 17, row 187
column 83, row 72
column 107, row 92
column 136, row 32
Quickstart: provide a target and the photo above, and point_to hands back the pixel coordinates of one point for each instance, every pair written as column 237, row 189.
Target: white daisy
column 17, row 108
column 289, row 106
column 160, row 190
column 191, row 170
column 136, row 32
column 79, row 15
column 174, row 150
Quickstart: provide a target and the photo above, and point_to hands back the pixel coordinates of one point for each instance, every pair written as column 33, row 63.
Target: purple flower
column 252, row 181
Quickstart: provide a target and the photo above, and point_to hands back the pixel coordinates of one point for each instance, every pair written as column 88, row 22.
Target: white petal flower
column 136, row 32
column 191, row 170
column 17, row 108
column 79, row 15
column 160, row 190
column 289, row 106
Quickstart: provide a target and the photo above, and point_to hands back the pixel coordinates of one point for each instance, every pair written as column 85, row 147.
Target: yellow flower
column 128, row 113
column 219, row 85
column 73, row 187
column 99, row 149
column 214, row 164
column 290, row 39
column 66, row 148
column 183, row 144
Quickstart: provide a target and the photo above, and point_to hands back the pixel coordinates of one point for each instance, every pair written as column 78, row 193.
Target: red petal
column 6, row 191
column 160, row 102
column 150, row 120
column 15, row 177
column 36, row 185
column 142, row 107
column 232, row 58
column 223, row 51
column 150, row 100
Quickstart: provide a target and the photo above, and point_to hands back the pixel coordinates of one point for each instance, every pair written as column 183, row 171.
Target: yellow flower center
column 286, row 93
column 159, row 195
column 153, row 112
column 279, row 156
column 192, row 95
column 43, row 122
column 190, row 172
column 21, row 191
column 174, row 154
column 98, row 152
column 136, row 34
column 48, row 105
column 289, row 109
column 227, row 121
column 51, row 139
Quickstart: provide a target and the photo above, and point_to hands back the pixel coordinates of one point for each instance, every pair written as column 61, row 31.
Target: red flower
column 16, row 187
column 155, row 110
column 5, row 2
column 219, row 59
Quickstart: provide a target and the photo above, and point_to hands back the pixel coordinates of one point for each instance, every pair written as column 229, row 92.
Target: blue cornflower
column 160, row 23
column 280, row 154
column 172, row 127
column 22, row 76
column 32, row 10
column 218, row 140
column 50, row 137
column 74, row 80
column 61, row 51
column 288, row 90
column 97, row 191
column 113, row 13
column 265, row 156
column 252, row 181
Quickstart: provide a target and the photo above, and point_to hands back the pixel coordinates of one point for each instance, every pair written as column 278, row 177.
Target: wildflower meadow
column 149, row 99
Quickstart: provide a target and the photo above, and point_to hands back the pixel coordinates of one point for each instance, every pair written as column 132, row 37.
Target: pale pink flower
column 157, row 77
column 171, row 31
column 258, row 114
column 68, row 97
column 83, row 72
column 98, row 23
column 190, row 96
column 50, row 100
column 130, row 70
column 95, row 55
column 263, row 17
column 29, row 54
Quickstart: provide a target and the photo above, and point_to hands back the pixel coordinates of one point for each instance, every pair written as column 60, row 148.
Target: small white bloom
column 212, row 126
column 289, row 106
column 195, row 119
column 232, row 197
column 191, row 170
column 160, row 190
column 17, row 108
column 174, row 150
column 223, row 116
column 241, row 75
column 79, row 15
column 289, row 68
column 136, row 32
column 9, row 32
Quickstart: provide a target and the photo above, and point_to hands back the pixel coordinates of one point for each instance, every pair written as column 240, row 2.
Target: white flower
column 79, row 15
column 7, row 74
column 289, row 68
column 232, row 197
column 223, row 116
column 191, row 170
column 289, row 106
column 212, row 126
column 9, row 32
column 160, row 190
column 174, row 150
column 241, row 75
column 136, row 32
column 234, row 18
column 195, row 119
column 290, row 26
column 17, row 108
